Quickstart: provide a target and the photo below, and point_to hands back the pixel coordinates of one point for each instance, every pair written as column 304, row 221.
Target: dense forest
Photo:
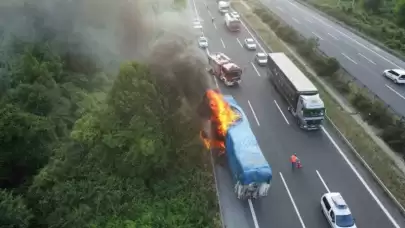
column 86, row 142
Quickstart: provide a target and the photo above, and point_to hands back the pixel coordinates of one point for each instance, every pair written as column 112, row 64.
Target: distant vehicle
column 229, row 125
column 223, row 68
column 197, row 24
column 232, row 23
column 202, row 42
column 336, row 211
column 261, row 58
column 302, row 96
column 250, row 44
column 235, row 14
column 223, row 6
column 396, row 75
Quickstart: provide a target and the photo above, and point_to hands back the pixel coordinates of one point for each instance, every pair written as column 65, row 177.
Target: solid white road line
column 195, row 9
column 393, row 90
column 371, row 61
column 279, row 8
column 319, row 37
column 323, row 182
column 350, row 59
column 252, row 210
column 253, row 37
column 389, row 216
column 285, row 118
column 296, row 21
column 292, row 201
column 310, row 21
column 334, row 37
column 237, row 39
column 257, row 72
column 216, row 82
column 223, row 44
column 254, row 114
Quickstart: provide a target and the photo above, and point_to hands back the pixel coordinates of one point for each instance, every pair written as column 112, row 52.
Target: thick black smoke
column 110, row 32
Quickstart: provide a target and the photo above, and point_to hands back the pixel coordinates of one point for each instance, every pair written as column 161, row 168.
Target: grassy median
column 378, row 160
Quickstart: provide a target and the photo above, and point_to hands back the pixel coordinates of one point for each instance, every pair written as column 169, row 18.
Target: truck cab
column 223, row 68
column 232, row 23
column 310, row 111
column 302, row 96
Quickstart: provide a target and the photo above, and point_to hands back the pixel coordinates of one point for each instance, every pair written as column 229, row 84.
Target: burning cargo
column 229, row 131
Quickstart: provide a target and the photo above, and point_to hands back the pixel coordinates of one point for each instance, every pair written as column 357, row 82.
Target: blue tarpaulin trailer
column 251, row 172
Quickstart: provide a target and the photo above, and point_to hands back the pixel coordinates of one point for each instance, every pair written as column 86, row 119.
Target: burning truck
column 227, row 132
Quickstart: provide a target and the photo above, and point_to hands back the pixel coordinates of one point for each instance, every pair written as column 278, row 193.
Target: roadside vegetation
column 86, row 142
column 272, row 30
column 382, row 20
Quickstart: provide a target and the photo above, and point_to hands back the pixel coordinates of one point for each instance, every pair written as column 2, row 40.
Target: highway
column 294, row 198
column 360, row 58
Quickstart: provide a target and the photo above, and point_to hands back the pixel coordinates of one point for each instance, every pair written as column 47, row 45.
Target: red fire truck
column 223, row 68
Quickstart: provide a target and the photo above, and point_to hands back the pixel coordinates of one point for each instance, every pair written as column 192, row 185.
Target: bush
column 394, row 135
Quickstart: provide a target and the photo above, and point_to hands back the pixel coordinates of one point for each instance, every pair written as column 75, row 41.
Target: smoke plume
column 149, row 31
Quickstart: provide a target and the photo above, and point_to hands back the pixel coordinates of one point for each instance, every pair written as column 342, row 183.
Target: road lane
column 279, row 140
column 347, row 48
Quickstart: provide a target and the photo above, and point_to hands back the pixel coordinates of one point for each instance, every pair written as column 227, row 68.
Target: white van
column 336, row 211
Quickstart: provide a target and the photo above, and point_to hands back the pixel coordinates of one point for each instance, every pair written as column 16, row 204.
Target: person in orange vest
column 293, row 160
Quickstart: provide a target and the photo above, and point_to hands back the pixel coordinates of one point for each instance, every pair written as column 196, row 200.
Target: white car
column 336, row 211
column 235, row 15
column 250, row 44
column 261, row 58
column 396, row 75
column 202, row 42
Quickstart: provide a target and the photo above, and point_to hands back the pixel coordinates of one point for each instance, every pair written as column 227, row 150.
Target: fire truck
column 223, row 68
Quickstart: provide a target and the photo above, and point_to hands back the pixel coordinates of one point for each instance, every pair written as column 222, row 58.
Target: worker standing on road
column 293, row 160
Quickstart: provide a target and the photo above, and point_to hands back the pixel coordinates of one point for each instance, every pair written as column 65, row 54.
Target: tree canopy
column 82, row 148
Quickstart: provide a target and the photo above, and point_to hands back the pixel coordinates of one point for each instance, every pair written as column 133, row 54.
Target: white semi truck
column 300, row 93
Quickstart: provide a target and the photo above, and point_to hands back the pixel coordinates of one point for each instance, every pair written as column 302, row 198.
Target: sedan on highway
column 396, row 75
column 202, row 42
column 261, row 58
column 336, row 211
column 250, row 44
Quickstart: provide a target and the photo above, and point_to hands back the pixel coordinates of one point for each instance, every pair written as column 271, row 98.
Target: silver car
column 202, row 42
column 261, row 58
column 250, row 44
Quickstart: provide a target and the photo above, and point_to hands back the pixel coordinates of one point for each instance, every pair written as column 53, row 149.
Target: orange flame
column 222, row 115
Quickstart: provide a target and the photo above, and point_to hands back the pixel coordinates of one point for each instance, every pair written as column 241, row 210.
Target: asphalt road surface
column 360, row 58
column 328, row 165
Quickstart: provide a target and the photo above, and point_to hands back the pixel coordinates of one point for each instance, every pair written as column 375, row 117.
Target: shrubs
column 372, row 109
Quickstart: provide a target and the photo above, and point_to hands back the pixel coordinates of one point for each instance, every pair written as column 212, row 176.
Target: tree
column 400, row 12
column 24, row 141
column 13, row 211
column 372, row 5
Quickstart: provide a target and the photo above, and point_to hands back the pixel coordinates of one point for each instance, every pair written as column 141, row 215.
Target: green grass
column 378, row 160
